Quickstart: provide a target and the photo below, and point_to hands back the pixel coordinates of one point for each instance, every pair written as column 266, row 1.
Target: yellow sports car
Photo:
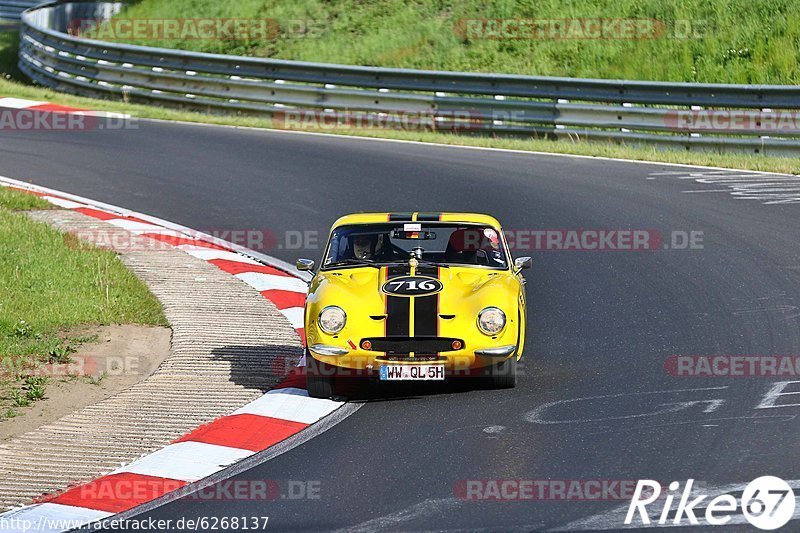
column 414, row 296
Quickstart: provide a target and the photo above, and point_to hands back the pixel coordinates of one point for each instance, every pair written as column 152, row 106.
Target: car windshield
column 442, row 243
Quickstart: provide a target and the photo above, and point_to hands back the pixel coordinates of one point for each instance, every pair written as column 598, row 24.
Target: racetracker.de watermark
column 71, row 121
column 210, row 29
column 167, row 240
column 763, row 121
column 299, row 119
column 544, row 489
column 77, row 366
column 125, row 488
column 602, row 240
column 583, row 28
column 312, row 241
column 733, row 366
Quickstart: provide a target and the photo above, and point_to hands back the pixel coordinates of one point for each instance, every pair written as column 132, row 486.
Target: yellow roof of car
column 372, row 218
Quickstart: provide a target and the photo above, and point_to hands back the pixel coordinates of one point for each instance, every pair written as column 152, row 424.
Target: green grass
column 9, row 47
column 738, row 41
column 51, row 283
column 18, row 201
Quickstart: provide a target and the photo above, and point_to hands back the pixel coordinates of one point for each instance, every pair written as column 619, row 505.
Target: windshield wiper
column 370, row 262
column 352, row 261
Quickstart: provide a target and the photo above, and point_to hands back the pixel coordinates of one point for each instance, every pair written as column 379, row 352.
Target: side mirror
column 522, row 263
column 305, row 265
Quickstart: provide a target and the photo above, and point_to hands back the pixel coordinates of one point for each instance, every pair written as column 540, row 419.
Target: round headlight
column 332, row 320
column 491, row 321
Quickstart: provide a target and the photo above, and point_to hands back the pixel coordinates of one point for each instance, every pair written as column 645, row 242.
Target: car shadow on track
column 262, row 367
column 533, row 375
column 363, row 390
column 258, row 367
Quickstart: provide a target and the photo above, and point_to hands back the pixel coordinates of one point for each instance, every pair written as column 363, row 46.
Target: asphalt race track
column 594, row 400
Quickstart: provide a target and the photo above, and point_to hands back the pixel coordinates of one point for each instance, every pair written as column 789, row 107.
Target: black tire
column 504, row 375
column 318, row 382
column 319, row 386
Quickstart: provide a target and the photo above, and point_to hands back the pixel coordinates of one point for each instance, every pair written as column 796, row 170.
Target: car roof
column 372, row 218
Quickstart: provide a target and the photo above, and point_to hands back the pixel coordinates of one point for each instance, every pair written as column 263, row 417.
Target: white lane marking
column 536, row 416
column 770, row 399
column 49, row 518
column 425, row 509
column 786, row 308
column 713, row 405
column 494, row 432
column 762, row 419
column 770, row 189
column 264, row 282
column 103, row 114
column 614, row 519
column 18, row 103
column 186, row 461
column 61, row 202
column 207, row 254
column 705, row 191
column 295, row 315
column 290, row 404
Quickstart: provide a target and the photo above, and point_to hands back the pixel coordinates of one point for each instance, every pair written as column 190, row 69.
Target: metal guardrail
column 636, row 112
column 12, row 9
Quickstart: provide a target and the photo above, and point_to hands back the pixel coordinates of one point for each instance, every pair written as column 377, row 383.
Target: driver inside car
column 364, row 247
column 490, row 245
column 473, row 246
column 370, row 247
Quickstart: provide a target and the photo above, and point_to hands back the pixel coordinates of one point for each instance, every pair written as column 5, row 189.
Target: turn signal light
column 366, row 345
column 457, row 345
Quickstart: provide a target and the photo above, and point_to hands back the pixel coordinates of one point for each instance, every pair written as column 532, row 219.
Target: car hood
column 360, row 287
column 450, row 313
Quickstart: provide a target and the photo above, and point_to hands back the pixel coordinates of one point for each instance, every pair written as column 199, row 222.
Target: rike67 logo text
column 767, row 503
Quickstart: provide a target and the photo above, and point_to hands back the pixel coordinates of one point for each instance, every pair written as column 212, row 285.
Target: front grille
column 400, row 358
column 418, row 345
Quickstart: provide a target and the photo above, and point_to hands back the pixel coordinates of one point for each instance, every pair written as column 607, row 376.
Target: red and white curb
column 35, row 105
column 277, row 415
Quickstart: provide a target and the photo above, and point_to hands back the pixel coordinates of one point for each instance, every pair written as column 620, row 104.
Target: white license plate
column 412, row 372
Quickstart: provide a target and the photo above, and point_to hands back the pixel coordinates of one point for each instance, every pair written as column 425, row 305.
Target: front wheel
column 318, row 384
column 504, row 375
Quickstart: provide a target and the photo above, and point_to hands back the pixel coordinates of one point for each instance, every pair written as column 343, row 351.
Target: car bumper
column 454, row 361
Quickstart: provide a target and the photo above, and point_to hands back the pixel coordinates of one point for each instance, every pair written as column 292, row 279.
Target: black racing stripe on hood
column 398, row 309
column 426, row 308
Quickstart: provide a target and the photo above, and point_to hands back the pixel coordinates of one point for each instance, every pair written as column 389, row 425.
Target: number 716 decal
column 412, row 286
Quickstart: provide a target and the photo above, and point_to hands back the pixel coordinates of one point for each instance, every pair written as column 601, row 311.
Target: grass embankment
column 50, row 285
column 731, row 41
column 9, row 46
column 421, row 35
